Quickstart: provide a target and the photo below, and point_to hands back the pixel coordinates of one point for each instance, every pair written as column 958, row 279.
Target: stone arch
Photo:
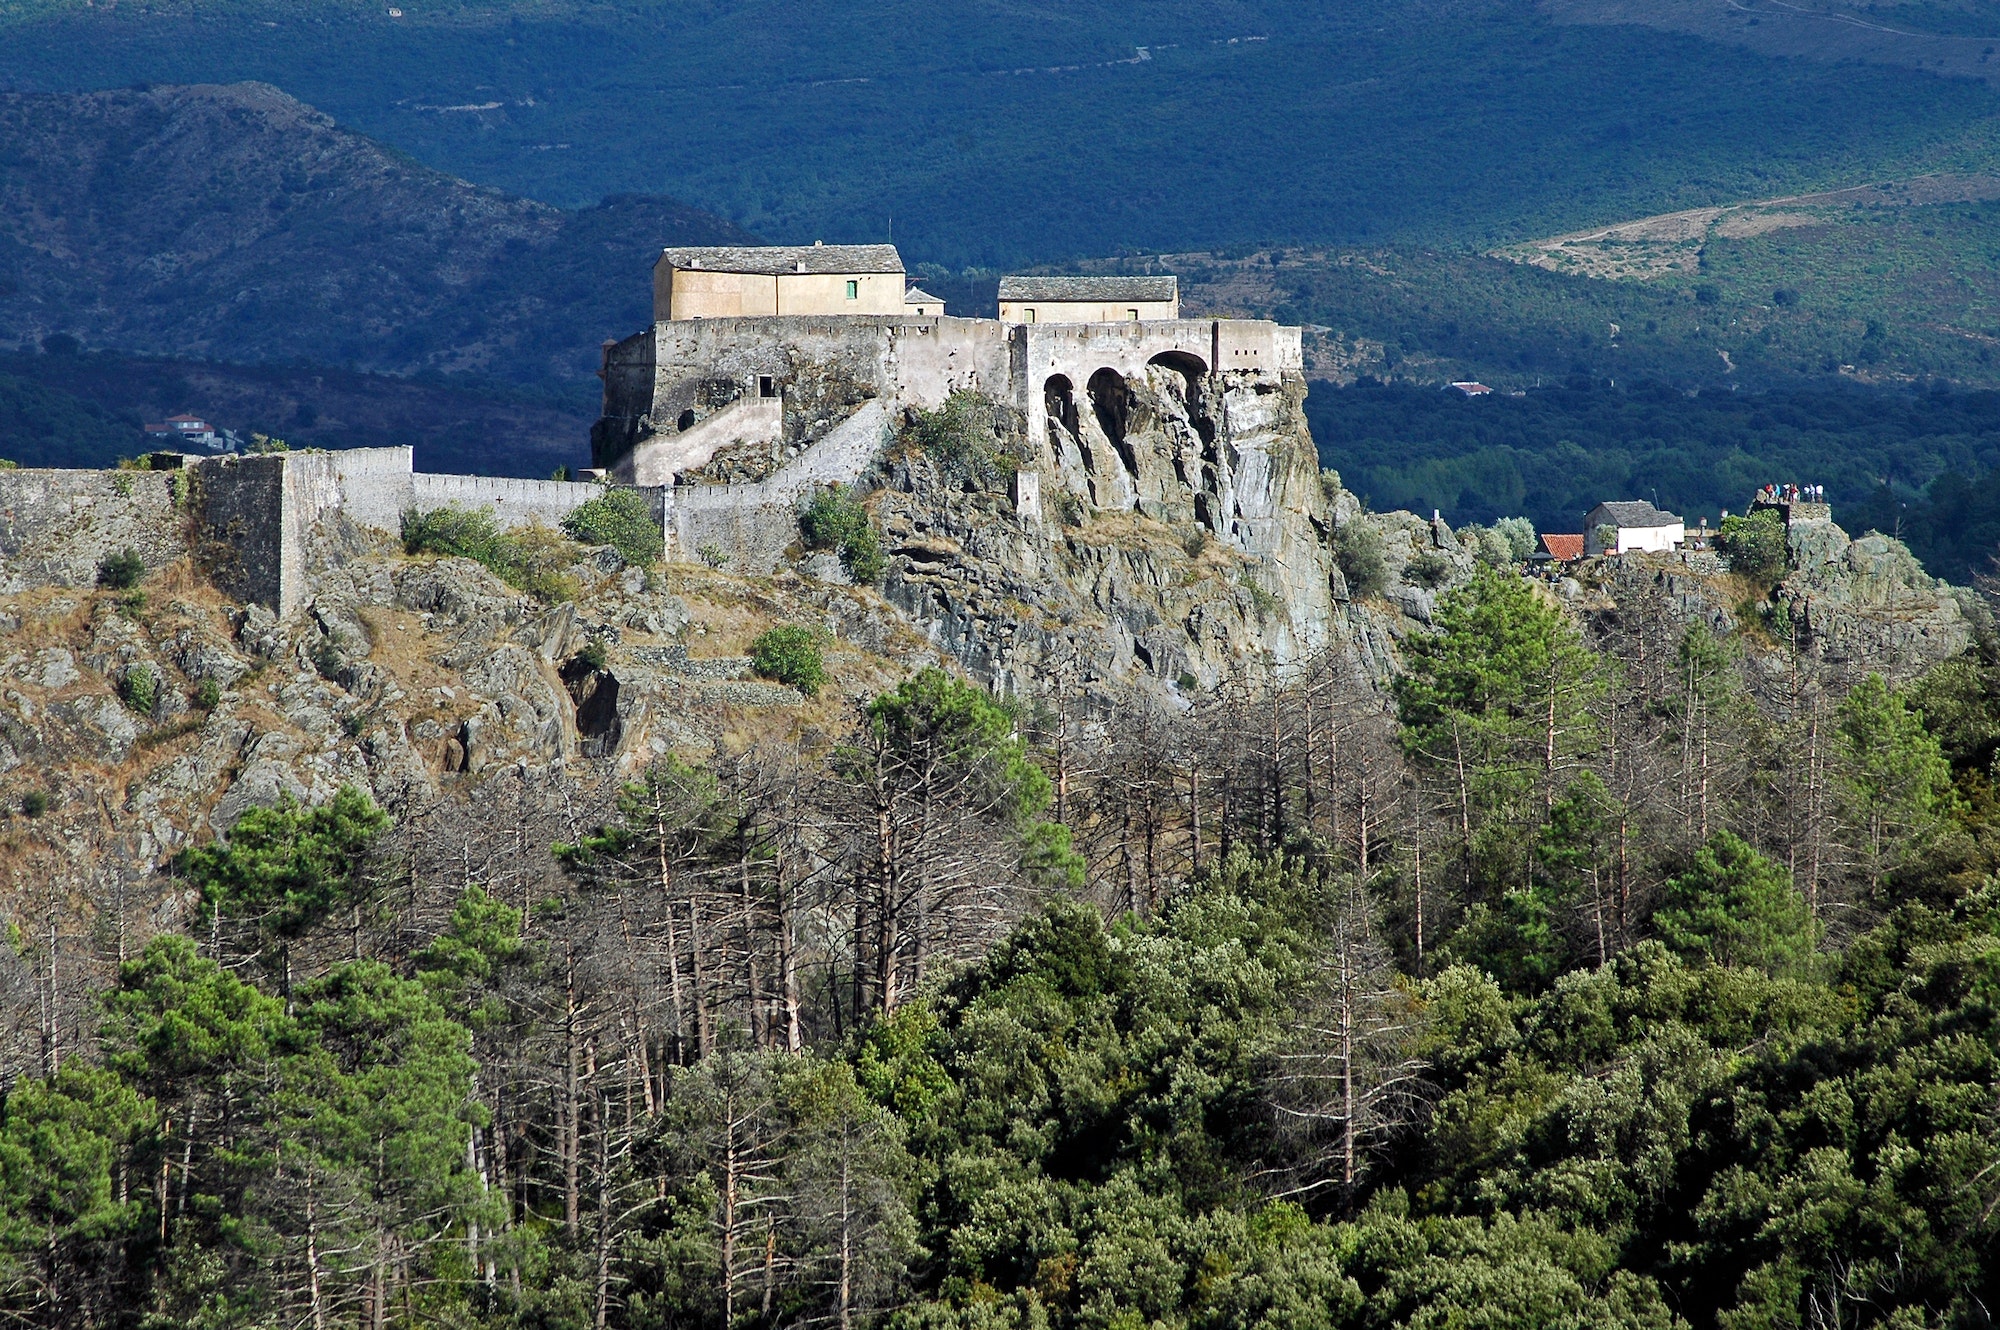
column 1184, row 363
column 1193, row 371
column 1059, row 401
column 1111, row 403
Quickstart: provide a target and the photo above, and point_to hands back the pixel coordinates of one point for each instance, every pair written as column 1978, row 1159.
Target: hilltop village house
column 1619, row 528
column 727, row 282
column 1089, row 299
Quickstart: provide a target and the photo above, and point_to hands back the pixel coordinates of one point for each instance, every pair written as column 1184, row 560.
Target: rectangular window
column 1132, row 315
column 1028, row 316
column 766, row 387
column 853, row 290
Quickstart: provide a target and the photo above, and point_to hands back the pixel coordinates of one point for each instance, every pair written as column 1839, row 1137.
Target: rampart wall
column 55, row 526
column 249, row 520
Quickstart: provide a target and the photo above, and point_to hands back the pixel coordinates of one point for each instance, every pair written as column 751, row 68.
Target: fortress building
column 769, row 372
column 1089, row 299
column 734, row 281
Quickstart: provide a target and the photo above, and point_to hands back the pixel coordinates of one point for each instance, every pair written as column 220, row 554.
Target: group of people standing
column 1792, row 494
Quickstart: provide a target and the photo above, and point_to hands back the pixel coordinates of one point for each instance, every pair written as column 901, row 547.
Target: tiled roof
column 773, row 260
column 1563, row 547
column 1633, row 513
column 1061, row 289
column 916, row 295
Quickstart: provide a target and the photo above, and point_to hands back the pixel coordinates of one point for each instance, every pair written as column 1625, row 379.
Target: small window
column 767, row 386
column 853, row 290
column 1132, row 315
column 1027, row 316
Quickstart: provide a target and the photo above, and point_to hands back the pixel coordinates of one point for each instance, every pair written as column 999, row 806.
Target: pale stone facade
column 727, row 282
column 1089, row 299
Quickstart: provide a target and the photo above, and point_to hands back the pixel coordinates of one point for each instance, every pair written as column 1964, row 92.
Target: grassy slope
column 1010, row 134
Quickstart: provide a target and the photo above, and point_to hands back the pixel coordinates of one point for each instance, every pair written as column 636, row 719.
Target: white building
column 1619, row 528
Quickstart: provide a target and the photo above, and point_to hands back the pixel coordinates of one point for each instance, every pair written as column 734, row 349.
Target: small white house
column 1619, row 528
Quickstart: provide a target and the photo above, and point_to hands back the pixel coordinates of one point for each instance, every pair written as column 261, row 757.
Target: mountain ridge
column 238, row 223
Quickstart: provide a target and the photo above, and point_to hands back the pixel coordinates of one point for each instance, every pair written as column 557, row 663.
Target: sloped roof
column 775, row 260
column 916, row 295
column 1631, row 513
column 1562, row 547
column 1061, row 289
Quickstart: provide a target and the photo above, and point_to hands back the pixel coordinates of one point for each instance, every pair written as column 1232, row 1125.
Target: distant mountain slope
column 237, row 223
column 1939, row 38
column 87, row 410
column 1004, row 132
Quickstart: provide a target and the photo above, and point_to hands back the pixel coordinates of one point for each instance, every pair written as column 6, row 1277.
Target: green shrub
column 6, row 465
column 469, row 533
column 121, row 571
column 960, row 437
column 207, row 695
column 1755, row 545
column 329, row 657
column 533, row 559
column 622, row 519
column 791, row 655
column 834, row 519
column 1519, row 533
column 1358, row 550
column 713, row 555
column 1489, row 546
column 592, row 655
column 140, row 689
column 34, row 803
column 1428, row 570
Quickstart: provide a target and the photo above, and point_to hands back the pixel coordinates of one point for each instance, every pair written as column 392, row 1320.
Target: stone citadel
column 1161, row 520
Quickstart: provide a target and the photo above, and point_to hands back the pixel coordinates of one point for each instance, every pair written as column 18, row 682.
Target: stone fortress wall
column 780, row 406
column 248, row 520
column 788, row 405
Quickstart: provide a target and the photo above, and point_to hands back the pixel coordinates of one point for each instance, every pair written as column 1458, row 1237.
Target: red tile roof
column 1563, row 547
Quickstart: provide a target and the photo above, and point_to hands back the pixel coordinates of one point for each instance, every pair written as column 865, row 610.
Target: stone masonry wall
column 56, row 525
column 240, row 540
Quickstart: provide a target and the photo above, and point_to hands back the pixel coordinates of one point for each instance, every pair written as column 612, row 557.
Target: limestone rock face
column 1184, row 537
column 1868, row 604
column 1850, row 605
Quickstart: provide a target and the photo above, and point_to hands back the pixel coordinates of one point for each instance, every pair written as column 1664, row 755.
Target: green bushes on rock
column 834, row 519
column 140, row 689
column 1357, row 549
column 622, row 519
column 790, row 655
column 961, row 437
column 121, row 571
column 1755, row 545
column 533, row 559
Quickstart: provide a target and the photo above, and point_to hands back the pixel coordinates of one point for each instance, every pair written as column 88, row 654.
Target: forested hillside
column 1213, row 125
column 237, row 224
column 1556, row 452
column 1616, row 974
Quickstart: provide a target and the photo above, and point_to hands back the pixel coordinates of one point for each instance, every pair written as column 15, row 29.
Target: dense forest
column 1343, row 123
column 1598, row 979
column 1556, row 451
